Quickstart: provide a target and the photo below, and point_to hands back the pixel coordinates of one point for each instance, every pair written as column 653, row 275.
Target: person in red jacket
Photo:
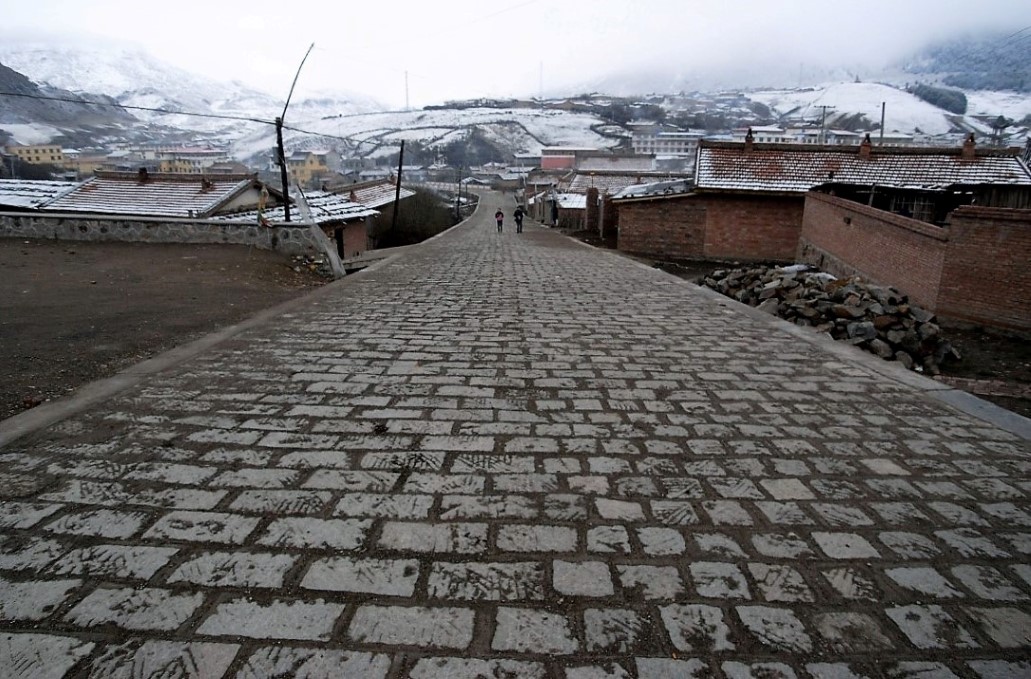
column 500, row 216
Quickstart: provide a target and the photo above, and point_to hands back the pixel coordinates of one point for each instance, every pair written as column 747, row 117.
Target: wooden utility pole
column 281, row 159
column 397, row 191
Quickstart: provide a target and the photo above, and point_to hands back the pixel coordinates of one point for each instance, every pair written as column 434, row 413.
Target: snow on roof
column 797, row 169
column 372, row 194
column 24, row 193
column 323, row 206
column 667, row 188
column 610, row 182
column 159, row 194
column 616, row 163
column 571, row 201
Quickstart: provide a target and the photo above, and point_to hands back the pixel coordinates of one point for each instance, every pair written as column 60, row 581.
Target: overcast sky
column 469, row 48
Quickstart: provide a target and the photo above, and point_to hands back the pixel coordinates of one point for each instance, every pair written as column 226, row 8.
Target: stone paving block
column 528, row 630
column 234, row 569
column 33, row 600
column 613, row 630
column 780, row 583
column 1001, row 669
column 384, row 506
column 697, row 628
column 535, row 538
column 762, row 670
column 313, row 533
column 673, row 512
column 157, row 658
column 661, row 541
column 365, row 481
column 135, row 609
column 919, row 670
column 823, row 670
column 104, row 523
column 514, row 581
column 390, row 577
column 909, row 545
column 437, row 538
column 776, row 628
column 851, row 632
column 619, row 510
column 608, row 540
column 987, row 583
column 714, row 580
column 458, row 507
column 474, row 668
column 930, row 627
column 718, row 544
column 923, row 580
column 278, row 502
column 450, row 484
column 413, row 626
column 845, row 546
column 277, row 619
column 969, row 543
column 26, row 514
column 113, row 561
column 582, row 579
column 202, row 527
column 307, row 663
column 727, row 513
column 668, row 668
column 1007, row 627
column 40, row 656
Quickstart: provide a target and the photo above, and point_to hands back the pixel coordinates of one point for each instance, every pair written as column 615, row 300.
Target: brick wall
column 847, row 238
column 987, row 273
column 975, row 269
column 712, row 227
column 673, row 228
column 592, row 216
column 759, row 227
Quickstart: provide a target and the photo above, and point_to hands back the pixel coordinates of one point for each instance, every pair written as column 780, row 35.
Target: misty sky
column 468, row 48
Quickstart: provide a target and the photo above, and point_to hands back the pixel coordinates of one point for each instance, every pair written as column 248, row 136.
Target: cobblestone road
column 514, row 456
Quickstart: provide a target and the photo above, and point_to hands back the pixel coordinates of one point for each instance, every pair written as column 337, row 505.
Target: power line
column 136, row 108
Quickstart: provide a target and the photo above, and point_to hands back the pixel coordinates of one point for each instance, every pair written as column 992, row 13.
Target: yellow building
column 308, row 166
column 38, row 154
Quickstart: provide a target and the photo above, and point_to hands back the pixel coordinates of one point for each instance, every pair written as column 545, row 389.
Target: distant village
column 760, row 193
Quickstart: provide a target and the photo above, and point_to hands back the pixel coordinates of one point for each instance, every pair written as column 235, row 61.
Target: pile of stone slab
column 879, row 319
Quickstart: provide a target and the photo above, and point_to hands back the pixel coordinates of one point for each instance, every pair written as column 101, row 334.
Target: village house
column 747, row 199
column 309, row 168
column 37, row 154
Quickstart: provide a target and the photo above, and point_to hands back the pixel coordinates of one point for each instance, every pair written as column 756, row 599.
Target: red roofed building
column 747, row 199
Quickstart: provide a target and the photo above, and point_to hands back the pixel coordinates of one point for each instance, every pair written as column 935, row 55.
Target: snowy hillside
column 134, row 78
column 377, row 134
column 903, row 111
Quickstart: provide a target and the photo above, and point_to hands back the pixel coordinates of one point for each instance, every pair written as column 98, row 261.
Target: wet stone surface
column 515, row 456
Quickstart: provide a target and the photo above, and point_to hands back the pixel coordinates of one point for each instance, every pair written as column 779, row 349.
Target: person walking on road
column 500, row 216
column 518, row 214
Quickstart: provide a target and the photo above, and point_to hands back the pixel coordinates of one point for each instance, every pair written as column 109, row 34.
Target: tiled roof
column 160, row 195
column 23, row 193
column 797, row 169
column 656, row 189
column 610, row 182
column 372, row 194
column 324, row 207
column 616, row 163
column 572, row 201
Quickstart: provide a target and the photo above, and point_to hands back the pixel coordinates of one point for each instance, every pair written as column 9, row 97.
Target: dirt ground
column 71, row 313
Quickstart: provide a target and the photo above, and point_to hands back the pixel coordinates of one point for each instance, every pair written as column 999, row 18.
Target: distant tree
column 952, row 101
column 34, row 171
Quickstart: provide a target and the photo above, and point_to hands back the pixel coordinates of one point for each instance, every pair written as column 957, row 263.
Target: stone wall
column 287, row 239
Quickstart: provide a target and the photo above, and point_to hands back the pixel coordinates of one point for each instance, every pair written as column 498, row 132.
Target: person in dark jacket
column 518, row 214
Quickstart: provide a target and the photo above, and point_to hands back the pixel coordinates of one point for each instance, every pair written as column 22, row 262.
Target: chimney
column 142, row 175
column 865, row 147
column 969, row 152
column 749, row 138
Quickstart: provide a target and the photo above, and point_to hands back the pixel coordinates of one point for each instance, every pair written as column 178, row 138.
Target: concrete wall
column 974, row 269
column 709, row 226
column 288, row 239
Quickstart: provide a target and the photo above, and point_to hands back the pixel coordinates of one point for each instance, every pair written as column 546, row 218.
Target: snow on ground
column 903, row 111
column 1013, row 105
column 31, row 133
